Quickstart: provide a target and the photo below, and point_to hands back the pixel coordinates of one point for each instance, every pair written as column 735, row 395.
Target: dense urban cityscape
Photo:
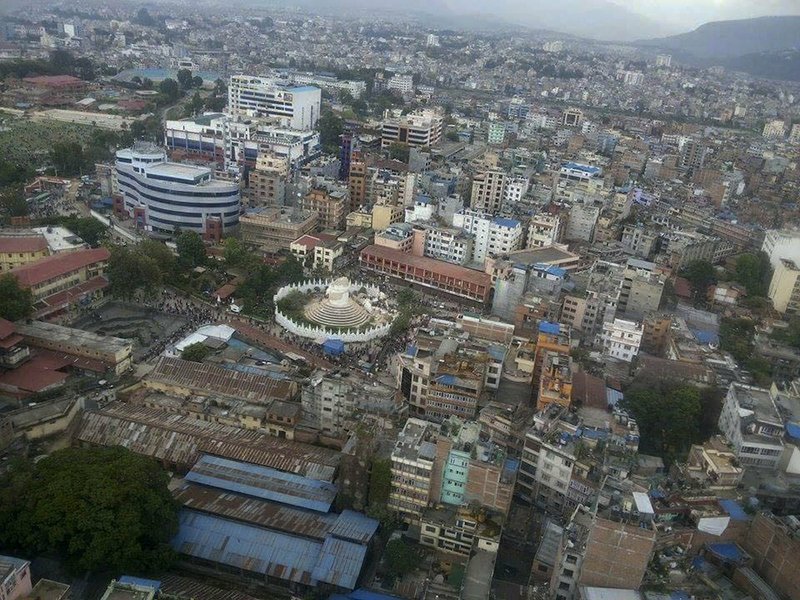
column 377, row 301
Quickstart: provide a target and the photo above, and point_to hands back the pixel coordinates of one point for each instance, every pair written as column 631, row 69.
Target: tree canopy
column 669, row 416
column 330, row 128
column 754, row 272
column 191, row 249
column 15, row 302
column 700, row 274
column 130, row 271
column 195, row 352
column 169, row 87
column 401, row 558
column 99, row 508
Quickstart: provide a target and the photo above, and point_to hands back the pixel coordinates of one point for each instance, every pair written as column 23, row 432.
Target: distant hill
column 783, row 65
column 722, row 40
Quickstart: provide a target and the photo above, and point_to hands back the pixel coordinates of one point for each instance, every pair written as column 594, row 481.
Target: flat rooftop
column 73, row 337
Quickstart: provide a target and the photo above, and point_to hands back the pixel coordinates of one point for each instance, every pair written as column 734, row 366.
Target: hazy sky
column 691, row 13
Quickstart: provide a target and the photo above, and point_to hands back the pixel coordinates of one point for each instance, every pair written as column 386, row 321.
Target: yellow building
column 16, row 251
column 273, row 229
column 360, row 218
column 384, row 215
column 784, row 290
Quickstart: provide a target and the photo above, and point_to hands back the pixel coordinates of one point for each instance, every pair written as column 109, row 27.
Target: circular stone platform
column 337, row 309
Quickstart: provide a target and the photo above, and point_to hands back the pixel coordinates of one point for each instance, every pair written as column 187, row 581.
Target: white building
column 782, row 243
column 162, row 196
column 664, row 60
column 794, row 136
column 294, row 107
column 544, row 230
column 432, row 41
column 553, row 46
column 423, row 209
column 774, row 130
column 622, row 339
column 401, row 83
column 752, row 423
column 448, row 244
column 514, row 191
column 421, row 128
column 496, row 132
column 494, row 236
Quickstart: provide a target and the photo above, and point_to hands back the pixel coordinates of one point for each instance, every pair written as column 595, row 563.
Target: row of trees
column 752, row 270
column 99, row 509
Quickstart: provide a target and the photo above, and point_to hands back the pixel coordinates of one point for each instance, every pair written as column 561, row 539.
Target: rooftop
column 56, row 266
column 442, row 268
column 20, row 243
column 74, row 337
column 263, row 482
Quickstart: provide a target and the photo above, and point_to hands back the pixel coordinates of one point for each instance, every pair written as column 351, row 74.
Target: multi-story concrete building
column 271, row 229
column 18, row 250
column 488, row 188
column 496, row 236
column 641, row 289
column 268, row 181
column 162, row 196
column 413, row 460
column 774, row 130
column 449, row 244
column 293, row 107
column 401, row 83
column 330, row 201
column 331, row 401
column 639, row 240
column 622, row 339
column 784, row 287
column 513, row 193
column 582, row 222
column 751, row 421
column 496, row 133
column 544, row 229
column 15, row 578
column 419, row 129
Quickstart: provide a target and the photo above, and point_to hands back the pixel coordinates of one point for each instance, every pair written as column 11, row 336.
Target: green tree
column 401, row 558
column 380, row 481
column 15, row 302
column 169, row 87
column 195, row 105
column 736, row 337
column 236, row 255
column 12, row 201
column 130, row 271
column 99, row 508
column 160, row 255
column 754, row 272
column 196, row 352
column 191, row 249
column 185, row 78
column 669, row 416
column 90, row 230
column 700, row 274
column 398, row 151
column 197, row 81
column 330, row 128
column 67, row 158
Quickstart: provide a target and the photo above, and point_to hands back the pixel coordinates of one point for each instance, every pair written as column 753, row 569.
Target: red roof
column 429, row 264
column 54, row 80
column 6, row 328
column 69, row 296
column 34, row 243
column 60, row 264
column 683, row 288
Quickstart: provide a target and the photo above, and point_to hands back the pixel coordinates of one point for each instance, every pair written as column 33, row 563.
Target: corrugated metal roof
column 266, row 552
column 246, row 547
column 340, row 563
column 180, row 440
column 176, row 586
column 305, row 523
column 354, row 526
column 263, row 482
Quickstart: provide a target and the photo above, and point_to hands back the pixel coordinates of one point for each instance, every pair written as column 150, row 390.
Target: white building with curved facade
column 163, row 196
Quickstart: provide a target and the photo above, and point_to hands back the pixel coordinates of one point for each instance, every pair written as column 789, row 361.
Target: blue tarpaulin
column 333, row 347
column 550, row 328
column 147, row 583
column 734, row 511
column 793, row 430
column 727, row 551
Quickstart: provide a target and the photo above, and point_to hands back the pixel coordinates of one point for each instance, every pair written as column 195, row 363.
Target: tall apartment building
column 163, row 196
column 413, row 460
column 488, row 188
column 664, row 60
column 582, row 222
column 420, row 129
column 784, row 287
column 331, row 401
column 642, row 286
column 492, row 236
column 401, row 83
column 692, row 156
column 268, row 181
column 751, row 421
column 330, row 201
column 496, row 133
column 448, row 244
column 639, row 240
column 293, row 107
column 270, row 229
column 513, row 193
column 774, row 130
column 551, row 372
column 794, row 136
column 622, row 339
column 544, row 229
